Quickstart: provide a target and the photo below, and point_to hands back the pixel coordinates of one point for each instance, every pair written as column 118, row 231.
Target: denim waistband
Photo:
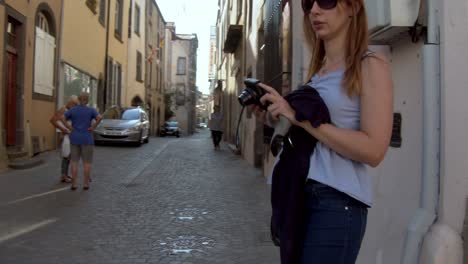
column 321, row 189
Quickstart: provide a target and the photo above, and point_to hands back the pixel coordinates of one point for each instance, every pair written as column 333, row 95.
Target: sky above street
column 193, row 16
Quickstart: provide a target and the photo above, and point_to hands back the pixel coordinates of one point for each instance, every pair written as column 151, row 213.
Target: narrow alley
column 169, row 201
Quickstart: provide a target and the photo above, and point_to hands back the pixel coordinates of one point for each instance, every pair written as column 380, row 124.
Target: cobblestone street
column 169, row 201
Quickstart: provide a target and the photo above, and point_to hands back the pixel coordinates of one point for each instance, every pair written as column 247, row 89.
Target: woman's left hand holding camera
column 279, row 105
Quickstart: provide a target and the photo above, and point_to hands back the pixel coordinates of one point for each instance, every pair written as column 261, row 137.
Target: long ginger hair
column 357, row 45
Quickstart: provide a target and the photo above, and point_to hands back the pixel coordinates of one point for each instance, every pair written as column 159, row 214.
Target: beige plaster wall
column 136, row 43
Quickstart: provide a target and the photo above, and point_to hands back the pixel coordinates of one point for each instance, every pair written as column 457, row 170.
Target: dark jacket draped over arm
column 290, row 174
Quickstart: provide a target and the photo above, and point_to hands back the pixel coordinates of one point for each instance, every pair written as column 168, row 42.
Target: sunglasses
column 323, row 4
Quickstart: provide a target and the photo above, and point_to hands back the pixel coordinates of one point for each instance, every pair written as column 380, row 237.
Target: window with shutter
column 49, row 54
column 110, row 81
column 102, row 11
column 119, row 84
column 43, row 23
column 116, row 87
column 130, row 21
column 44, row 63
column 137, row 20
column 39, row 61
column 181, row 65
column 118, row 19
column 116, row 83
column 139, row 61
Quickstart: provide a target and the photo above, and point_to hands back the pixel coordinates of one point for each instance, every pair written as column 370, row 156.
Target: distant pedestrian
column 81, row 137
column 64, row 139
column 216, row 126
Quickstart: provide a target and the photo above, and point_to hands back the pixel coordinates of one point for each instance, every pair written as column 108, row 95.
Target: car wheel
column 140, row 141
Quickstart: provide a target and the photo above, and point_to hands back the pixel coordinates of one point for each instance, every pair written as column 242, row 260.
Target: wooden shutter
column 44, row 63
column 49, row 51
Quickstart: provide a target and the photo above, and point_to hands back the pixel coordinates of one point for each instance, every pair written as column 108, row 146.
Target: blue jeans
column 335, row 226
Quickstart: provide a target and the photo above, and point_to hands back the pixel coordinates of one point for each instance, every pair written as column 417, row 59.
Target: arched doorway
column 44, row 76
column 13, row 103
column 137, row 101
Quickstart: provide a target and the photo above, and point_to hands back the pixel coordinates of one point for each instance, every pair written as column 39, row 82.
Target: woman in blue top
column 357, row 88
column 81, row 137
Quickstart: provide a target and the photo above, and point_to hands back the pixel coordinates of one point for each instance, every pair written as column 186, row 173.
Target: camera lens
column 247, row 97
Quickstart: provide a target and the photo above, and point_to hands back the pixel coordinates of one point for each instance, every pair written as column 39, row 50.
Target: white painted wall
column 397, row 179
column 443, row 244
column 454, row 39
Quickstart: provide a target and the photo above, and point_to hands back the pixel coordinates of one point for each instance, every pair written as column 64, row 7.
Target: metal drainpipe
column 59, row 42
column 427, row 213
column 58, row 70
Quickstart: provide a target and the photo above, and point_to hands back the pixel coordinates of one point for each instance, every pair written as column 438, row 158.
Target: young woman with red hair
column 357, row 88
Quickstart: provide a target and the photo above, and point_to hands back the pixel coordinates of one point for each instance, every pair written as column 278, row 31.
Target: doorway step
column 19, row 159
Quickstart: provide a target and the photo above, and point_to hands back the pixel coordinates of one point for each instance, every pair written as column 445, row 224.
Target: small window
column 181, row 65
column 159, row 46
column 137, row 20
column 102, row 12
column 118, row 18
column 139, row 62
column 130, row 22
column 118, row 68
column 12, row 34
column 250, row 14
column 239, row 9
column 43, row 23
